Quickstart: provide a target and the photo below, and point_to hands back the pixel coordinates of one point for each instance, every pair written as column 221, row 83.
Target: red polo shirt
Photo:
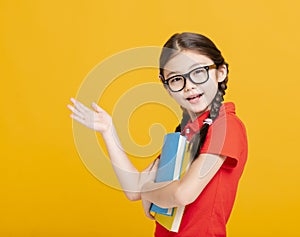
column 208, row 214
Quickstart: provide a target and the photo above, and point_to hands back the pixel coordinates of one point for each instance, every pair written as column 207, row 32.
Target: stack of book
column 174, row 161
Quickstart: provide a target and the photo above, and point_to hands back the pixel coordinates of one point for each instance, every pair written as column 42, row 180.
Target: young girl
column 194, row 73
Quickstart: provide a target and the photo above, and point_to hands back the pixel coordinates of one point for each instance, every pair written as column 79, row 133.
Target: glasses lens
column 176, row 83
column 199, row 75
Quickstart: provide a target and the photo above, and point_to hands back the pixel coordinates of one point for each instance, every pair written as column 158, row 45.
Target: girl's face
column 195, row 98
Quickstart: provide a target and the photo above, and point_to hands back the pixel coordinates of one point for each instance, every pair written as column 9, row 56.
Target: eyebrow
column 177, row 73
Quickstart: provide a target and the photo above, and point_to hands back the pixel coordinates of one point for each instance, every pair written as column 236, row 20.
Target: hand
column 96, row 119
column 149, row 174
column 146, row 205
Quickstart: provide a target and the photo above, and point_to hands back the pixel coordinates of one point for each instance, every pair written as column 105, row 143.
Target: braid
column 184, row 120
column 199, row 138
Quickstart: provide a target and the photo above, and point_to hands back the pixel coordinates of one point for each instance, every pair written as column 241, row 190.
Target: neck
column 194, row 116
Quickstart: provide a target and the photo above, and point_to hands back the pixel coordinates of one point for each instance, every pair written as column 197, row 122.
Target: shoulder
column 227, row 135
column 228, row 120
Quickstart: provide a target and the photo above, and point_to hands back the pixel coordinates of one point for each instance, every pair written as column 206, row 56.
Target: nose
column 189, row 85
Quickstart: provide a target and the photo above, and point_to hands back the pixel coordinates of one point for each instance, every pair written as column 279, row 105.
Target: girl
column 194, row 73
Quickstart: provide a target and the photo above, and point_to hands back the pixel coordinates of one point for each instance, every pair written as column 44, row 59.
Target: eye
column 175, row 80
column 198, row 71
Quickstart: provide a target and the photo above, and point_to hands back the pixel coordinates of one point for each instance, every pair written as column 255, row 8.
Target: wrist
column 108, row 132
column 148, row 186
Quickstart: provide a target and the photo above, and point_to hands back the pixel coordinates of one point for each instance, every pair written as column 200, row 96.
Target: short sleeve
column 226, row 137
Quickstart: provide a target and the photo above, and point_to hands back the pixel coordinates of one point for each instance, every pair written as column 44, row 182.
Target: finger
column 75, row 111
column 97, row 108
column 79, row 106
column 78, row 119
column 154, row 166
column 150, row 216
column 157, row 161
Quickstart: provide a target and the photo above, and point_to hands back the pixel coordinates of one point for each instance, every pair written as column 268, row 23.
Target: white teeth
column 195, row 96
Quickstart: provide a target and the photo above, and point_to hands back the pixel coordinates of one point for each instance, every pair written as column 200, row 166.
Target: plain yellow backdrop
column 48, row 47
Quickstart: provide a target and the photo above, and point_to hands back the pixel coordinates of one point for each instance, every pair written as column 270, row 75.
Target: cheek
column 210, row 88
column 178, row 97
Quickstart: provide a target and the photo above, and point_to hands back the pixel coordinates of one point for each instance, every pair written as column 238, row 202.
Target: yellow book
column 172, row 223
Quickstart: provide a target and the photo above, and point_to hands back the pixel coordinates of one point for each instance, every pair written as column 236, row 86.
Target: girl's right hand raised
column 95, row 118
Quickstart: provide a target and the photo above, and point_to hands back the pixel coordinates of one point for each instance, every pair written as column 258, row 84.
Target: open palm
column 95, row 118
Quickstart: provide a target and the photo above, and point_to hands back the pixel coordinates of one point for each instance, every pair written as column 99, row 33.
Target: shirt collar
column 193, row 127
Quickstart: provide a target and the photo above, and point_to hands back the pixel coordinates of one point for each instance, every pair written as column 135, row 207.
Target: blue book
column 170, row 164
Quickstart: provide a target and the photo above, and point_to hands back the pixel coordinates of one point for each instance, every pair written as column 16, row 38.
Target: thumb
column 154, row 167
column 156, row 163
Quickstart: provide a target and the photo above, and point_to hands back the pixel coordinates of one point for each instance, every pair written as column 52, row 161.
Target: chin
column 195, row 112
column 199, row 109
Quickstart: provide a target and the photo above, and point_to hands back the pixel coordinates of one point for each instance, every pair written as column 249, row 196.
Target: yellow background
column 48, row 47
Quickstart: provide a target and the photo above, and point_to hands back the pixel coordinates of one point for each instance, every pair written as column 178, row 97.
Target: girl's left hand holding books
column 146, row 205
column 148, row 175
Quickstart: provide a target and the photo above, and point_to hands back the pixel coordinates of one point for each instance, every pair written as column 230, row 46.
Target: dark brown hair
column 203, row 45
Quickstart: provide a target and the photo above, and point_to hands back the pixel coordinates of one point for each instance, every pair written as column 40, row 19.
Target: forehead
column 184, row 60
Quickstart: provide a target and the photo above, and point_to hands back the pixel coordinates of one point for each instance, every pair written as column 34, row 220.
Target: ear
column 165, row 86
column 222, row 72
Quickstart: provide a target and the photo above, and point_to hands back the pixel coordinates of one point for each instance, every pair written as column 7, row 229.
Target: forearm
column 184, row 191
column 128, row 176
column 99, row 120
column 163, row 194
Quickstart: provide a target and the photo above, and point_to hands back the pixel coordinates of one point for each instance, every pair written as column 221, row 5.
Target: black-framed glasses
column 198, row 75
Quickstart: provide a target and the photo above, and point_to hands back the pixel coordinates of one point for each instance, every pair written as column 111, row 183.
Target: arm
column 129, row 177
column 99, row 120
column 184, row 191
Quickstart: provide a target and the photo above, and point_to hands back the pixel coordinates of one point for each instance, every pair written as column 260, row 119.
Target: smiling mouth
column 194, row 97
